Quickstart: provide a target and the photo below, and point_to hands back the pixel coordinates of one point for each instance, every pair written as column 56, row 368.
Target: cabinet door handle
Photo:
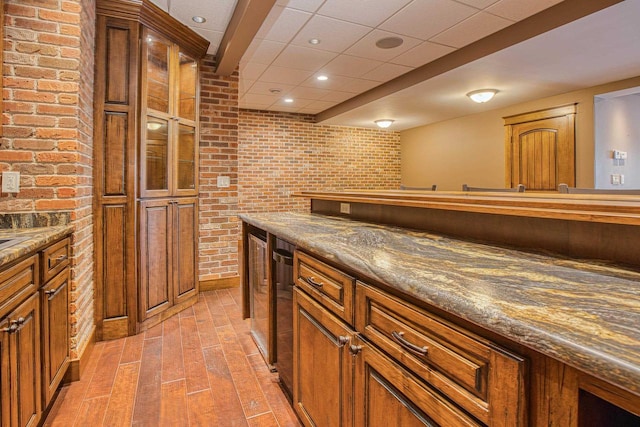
column 11, row 329
column 342, row 341
column 399, row 337
column 57, row 260
column 355, row 349
column 51, row 291
column 312, row 281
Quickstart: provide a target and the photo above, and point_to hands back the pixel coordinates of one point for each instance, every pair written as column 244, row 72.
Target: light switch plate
column 224, row 181
column 10, row 182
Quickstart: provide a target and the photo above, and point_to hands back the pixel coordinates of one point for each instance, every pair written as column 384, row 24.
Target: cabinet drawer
column 331, row 287
column 484, row 379
column 54, row 259
column 17, row 283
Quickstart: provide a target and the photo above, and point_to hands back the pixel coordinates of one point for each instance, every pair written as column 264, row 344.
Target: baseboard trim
column 219, row 283
column 77, row 366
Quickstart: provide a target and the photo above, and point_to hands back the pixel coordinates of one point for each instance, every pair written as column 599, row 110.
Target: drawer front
column 17, row 283
column 331, row 287
column 54, row 259
column 479, row 376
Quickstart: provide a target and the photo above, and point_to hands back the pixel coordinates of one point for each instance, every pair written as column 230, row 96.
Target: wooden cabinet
column 322, row 365
column 146, row 143
column 20, row 372
column 167, row 254
column 400, row 365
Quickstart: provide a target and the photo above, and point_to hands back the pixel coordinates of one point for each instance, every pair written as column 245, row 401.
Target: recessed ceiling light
column 199, row 19
column 322, row 78
column 389, row 42
column 314, row 41
column 288, row 100
column 275, row 90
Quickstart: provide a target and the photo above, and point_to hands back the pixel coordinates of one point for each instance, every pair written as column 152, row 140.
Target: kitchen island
column 574, row 322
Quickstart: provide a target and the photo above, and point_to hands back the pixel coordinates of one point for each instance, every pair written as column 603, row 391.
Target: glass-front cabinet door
column 169, row 134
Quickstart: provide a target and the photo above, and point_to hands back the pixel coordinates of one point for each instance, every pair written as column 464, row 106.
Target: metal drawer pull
column 51, row 291
column 11, row 329
column 399, row 337
column 312, row 282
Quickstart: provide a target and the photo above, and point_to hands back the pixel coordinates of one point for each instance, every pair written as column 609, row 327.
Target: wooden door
column 385, row 394
column 54, row 302
column 185, row 228
column 25, row 364
column 540, row 149
column 156, row 257
column 322, row 365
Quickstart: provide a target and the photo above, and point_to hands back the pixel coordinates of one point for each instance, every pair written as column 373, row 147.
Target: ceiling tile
column 306, row 5
column 284, row 75
column 516, row 10
column 350, row 66
column 215, row 37
column 334, row 35
column 162, row 4
column 422, row 54
column 282, row 24
column 244, row 85
column 303, row 58
column 472, row 29
column 334, row 82
column 259, row 98
column 479, row 4
column 366, row 47
column 262, row 51
column 366, row 12
column 264, row 88
column 425, row 19
column 217, row 12
column 386, row 72
column 252, row 70
column 308, row 92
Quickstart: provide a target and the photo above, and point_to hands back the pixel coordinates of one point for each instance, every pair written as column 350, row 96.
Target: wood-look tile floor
column 198, row 368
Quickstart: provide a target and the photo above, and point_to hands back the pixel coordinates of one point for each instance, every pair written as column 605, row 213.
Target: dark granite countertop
column 585, row 314
column 26, row 240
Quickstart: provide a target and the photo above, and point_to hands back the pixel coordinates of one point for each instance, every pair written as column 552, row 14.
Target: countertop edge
column 35, row 239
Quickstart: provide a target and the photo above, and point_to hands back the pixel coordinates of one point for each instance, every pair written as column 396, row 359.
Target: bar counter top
column 583, row 313
column 23, row 241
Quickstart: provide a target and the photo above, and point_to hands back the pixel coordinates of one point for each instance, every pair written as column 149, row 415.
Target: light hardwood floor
column 198, row 368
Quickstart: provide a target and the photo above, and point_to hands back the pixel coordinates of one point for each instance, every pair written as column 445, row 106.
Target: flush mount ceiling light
column 288, row 100
column 322, row 78
column 314, row 41
column 384, row 123
column 199, row 19
column 389, row 42
column 482, row 95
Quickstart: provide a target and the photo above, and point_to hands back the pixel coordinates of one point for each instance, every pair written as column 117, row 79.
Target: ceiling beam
column 546, row 20
column 245, row 22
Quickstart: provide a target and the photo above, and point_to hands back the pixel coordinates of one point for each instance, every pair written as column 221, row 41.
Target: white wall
column 617, row 127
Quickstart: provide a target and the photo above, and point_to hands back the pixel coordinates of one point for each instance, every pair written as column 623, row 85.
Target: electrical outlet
column 224, row 181
column 615, row 179
column 345, row 208
column 10, row 182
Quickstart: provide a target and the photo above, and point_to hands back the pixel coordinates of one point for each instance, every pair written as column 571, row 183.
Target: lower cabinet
column 322, row 365
column 20, row 371
column 168, row 274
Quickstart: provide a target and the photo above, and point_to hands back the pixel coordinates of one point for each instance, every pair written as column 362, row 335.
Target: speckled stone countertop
column 26, row 240
column 581, row 313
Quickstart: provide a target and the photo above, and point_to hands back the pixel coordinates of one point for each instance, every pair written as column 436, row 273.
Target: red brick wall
column 218, row 157
column 284, row 153
column 48, row 127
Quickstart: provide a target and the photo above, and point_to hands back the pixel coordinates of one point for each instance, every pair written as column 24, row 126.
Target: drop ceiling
column 281, row 62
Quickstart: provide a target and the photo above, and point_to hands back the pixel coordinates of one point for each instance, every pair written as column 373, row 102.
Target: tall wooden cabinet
column 146, row 166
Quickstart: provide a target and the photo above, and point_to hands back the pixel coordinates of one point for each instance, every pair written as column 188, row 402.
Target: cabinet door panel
column 5, row 380
column 188, row 85
column 54, row 299
column 25, row 362
column 158, row 52
column 155, row 257
column 386, row 394
column 322, row 365
column 186, row 239
column 186, row 157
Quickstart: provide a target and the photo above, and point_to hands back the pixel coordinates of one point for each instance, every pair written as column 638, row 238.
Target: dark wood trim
column 247, row 19
column 553, row 17
column 77, row 366
column 546, row 113
column 215, row 284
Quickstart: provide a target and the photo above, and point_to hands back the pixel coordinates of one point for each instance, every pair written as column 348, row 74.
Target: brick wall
column 218, row 157
column 284, row 153
column 48, row 126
